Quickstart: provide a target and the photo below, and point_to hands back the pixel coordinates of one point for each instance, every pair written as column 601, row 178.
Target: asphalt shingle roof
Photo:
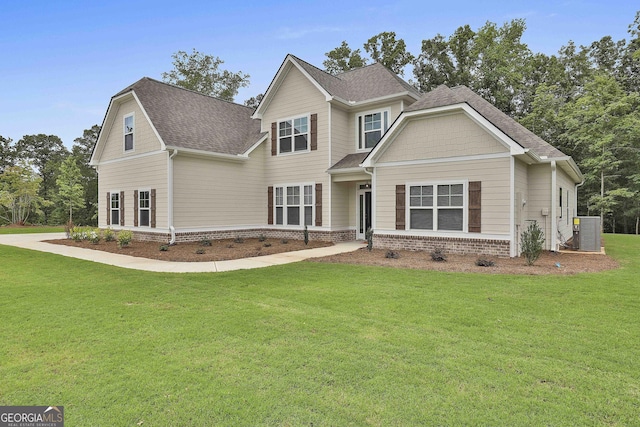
column 350, row 161
column 187, row 119
column 360, row 84
column 444, row 96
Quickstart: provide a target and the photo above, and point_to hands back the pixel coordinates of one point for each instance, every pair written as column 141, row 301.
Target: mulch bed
column 548, row 263
column 219, row 250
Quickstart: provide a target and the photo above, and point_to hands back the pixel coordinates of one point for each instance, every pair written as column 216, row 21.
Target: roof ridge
column 187, row 90
column 317, row 68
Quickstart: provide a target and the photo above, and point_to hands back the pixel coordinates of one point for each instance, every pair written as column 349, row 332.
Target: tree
column 7, row 153
column 492, row 61
column 603, row 127
column 630, row 63
column 200, row 73
column 45, row 153
column 19, row 195
column 81, row 152
column 343, row 59
column 392, row 53
column 70, row 190
column 254, row 101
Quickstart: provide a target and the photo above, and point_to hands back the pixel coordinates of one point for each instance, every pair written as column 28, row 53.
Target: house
column 336, row 154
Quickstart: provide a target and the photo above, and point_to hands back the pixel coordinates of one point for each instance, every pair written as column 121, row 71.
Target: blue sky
column 63, row 60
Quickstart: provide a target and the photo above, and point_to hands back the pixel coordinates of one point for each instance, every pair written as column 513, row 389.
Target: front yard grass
column 320, row 344
column 31, row 229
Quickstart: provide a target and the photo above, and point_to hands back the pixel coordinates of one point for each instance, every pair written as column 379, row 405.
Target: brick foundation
column 447, row 244
column 270, row 233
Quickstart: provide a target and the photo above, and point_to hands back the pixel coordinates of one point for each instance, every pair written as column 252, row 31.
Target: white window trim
column 111, row 209
column 124, row 133
column 140, row 190
column 382, row 111
column 464, row 207
column 302, row 205
column 293, row 151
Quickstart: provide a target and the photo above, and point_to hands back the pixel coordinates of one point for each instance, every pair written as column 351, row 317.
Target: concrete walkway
column 35, row 242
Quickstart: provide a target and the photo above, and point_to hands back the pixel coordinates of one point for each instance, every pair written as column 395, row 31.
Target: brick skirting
column 447, row 244
column 270, row 233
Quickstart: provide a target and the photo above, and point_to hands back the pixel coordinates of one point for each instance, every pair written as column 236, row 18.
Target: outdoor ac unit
column 586, row 233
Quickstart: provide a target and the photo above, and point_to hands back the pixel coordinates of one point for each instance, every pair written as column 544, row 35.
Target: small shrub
column 482, row 262
column 438, row 256
column 369, row 236
column 164, row 248
column 109, row 235
column 392, row 255
column 94, row 236
column 205, row 242
column 267, row 245
column 238, row 239
column 80, row 233
column 531, row 242
column 262, row 238
column 200, row 251
column 124, row 238
column 284, row 241
column 306, row 235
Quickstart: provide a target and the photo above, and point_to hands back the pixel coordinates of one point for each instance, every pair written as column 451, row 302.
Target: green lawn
column 319, row 344
column 34, row 229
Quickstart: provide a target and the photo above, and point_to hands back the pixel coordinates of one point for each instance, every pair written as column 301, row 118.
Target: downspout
column 172, row 229
column 554, row 220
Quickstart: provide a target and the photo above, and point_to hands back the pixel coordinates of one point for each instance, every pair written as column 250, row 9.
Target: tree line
column 584, row 100
column 42, row 182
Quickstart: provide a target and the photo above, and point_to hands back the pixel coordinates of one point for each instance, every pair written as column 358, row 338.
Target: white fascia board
column 202, row 153
column 256, row 145
column 345, row 171
column 146, row 116
column 129, row 158
column 358, row 104
column 99, row 143
column 103, row 132
column 277, row 81
column 568, row 161
column 405, row 117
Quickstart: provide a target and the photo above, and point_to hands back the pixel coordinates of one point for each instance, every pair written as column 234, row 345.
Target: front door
column 364, row 212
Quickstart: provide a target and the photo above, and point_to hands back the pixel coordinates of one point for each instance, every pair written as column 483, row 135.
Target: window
column 436, row 207
column 144, row 208
column 294, row 205
column 371, row 126
column 293, row 135
column 279, row 206
column 128, row 132
column 115, row 208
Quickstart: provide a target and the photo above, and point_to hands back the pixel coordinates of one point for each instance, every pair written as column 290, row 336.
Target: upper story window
column 128, row 132
column 293, row 135
column 371, row 126
column 436, row 207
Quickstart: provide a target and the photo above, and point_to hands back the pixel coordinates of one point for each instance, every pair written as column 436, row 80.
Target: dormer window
column 128, row 132
column 371, row 127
